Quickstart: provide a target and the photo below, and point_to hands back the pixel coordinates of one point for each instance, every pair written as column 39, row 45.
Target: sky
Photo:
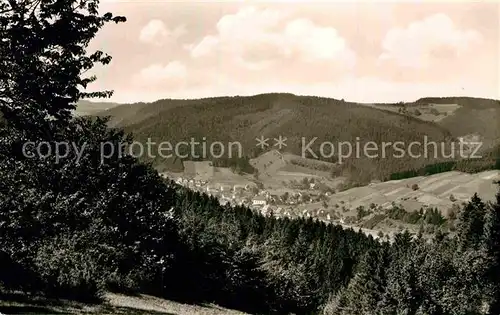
column 363, row 51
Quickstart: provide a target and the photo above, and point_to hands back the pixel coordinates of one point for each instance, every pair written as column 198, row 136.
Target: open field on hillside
column 432, row 191
column 276, row 175
column 425, row 111
column 274, row 167
column 275, row 172
column 445, row 192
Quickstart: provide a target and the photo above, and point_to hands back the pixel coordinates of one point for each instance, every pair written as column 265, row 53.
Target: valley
column 360, row 192
column 285, row 189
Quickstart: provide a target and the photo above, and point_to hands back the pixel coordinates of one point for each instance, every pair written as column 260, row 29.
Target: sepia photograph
column 249, row 157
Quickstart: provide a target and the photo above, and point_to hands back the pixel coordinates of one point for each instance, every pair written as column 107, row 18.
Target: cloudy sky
column 360, row 51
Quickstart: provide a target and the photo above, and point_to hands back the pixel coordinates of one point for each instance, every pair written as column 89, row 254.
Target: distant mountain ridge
column 245, row 118
column 85, row 107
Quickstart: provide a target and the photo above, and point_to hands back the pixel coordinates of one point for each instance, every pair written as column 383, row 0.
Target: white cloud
column 173, row 74
column 316, row 43
column 302, row 49
column 204, row 47
column 174, row 69
column 433, row 38
column 255, row 38
column 156, row 33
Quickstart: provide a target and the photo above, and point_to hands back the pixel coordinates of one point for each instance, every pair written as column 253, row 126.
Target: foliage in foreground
column 82, row 221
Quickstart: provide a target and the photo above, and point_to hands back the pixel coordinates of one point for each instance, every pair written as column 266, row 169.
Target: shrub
column 373, row 221
column 412, row 217
column 14, row 275
column 70, row 268
column 434, row 112
column 362, row 212
column 434, row 217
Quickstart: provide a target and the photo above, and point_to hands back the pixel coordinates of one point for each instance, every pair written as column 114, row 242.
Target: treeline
column 429, row 216
column 443, row 276
column 238, row 165
column 471, row 102
column 468, row 166
column 313, row 164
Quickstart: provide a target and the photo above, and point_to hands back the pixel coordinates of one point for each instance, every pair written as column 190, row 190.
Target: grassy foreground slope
column 114, row 304
column 298, row 118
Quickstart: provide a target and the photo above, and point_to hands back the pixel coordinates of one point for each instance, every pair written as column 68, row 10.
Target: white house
column 259, row 201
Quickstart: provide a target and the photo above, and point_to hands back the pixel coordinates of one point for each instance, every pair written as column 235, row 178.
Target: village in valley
column 284, row 188
column 266, row 201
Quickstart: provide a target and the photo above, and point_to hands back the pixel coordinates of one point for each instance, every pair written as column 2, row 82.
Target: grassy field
column 115, row 304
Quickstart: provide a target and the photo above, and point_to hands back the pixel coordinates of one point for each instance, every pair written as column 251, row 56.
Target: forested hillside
column 78, row 226
column 298, row 118
column 461, row 116
column 229, row 119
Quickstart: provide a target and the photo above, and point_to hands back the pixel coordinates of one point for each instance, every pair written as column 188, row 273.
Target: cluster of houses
column 234, row 194
column 280, row 206
column 258, row 199
column 191, row 183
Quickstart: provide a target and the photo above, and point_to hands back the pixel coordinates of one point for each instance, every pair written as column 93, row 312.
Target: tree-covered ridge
column 298, row 118
column 474, row 102
column 490, row 161
column 244, row 118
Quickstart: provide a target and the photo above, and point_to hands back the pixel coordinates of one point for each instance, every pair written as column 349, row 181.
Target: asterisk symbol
column 262, row 142
column 280, row 142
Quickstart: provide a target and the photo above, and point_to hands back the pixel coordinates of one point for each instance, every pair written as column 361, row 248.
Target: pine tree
column 365, row 290
column 492, row 242
column 471, row 223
